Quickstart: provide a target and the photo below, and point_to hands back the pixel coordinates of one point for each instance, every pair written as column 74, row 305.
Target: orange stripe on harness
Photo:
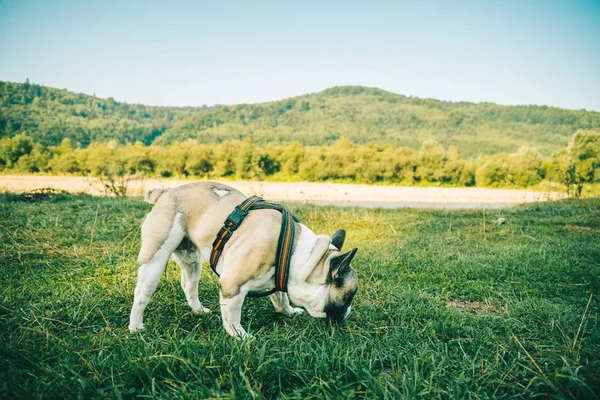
column 284, row 245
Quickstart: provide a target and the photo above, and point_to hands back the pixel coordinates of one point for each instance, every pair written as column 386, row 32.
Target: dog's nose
column 338, row 314
column 336, row 318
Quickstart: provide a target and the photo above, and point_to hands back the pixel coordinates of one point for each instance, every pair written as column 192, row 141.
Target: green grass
column 450, row 305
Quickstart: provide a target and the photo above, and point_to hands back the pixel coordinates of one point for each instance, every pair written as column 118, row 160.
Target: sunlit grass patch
column 449, row 305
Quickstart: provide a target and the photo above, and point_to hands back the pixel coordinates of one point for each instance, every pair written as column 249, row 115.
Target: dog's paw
column 135, row 328
column 202, row 310
column 293, row 311
column 296, row 311
column 242, row 336
column 246, row 337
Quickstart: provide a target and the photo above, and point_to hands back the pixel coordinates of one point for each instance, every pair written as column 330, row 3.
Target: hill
column 49, row 115
column 363, row 115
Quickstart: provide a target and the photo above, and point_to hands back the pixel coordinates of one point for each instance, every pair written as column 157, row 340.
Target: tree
column 430, row 167
column 137, row 159
column 11, row 149
column 493, row 172
column 581, row 163
column 525, row 168
column 225, row 164
column 36, row 161
column 291, row 157
column 200, row 161
column 245, row 167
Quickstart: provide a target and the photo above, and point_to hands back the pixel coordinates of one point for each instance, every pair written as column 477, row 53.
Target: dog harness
column 284, row 245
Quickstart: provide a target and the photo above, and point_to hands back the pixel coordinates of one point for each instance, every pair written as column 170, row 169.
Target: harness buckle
column 236, row 217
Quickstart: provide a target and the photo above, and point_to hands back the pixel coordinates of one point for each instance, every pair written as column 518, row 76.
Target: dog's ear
column 318, row 273
column 341, row 264
column 338, row 238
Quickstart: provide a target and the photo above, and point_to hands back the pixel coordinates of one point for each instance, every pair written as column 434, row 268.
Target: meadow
column 450, row 305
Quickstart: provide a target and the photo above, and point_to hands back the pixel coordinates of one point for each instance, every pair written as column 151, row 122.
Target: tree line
column 573, row 166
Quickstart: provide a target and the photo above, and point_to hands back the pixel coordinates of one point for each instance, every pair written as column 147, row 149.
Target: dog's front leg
column 231, row 312
column 281, row 302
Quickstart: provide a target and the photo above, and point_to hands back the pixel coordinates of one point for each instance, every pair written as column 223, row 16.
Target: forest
column 349, row 134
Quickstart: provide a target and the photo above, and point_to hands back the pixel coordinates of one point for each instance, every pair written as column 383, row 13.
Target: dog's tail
column 153, row 195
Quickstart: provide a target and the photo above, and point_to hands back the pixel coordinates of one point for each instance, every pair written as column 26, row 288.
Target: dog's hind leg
column 281, row 302
column 153, row 258
column 190, row 263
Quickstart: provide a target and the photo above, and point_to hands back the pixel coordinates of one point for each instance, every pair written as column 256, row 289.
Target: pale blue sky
column 229, row 52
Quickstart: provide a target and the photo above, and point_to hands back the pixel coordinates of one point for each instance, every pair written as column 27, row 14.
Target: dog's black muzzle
column 338, row 313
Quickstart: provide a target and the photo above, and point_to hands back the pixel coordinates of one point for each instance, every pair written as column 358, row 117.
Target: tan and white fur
column 183, row 225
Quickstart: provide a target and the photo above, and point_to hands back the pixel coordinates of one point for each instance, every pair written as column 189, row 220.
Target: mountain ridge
column 358, row 113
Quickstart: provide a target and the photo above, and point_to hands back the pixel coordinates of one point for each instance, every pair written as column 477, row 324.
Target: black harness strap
column 232, row 222
column 285, row 244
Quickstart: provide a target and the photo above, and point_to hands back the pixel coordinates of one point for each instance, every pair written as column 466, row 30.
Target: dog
column 183, row 224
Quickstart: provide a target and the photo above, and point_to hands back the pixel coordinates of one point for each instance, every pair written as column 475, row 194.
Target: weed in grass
column 450, row 305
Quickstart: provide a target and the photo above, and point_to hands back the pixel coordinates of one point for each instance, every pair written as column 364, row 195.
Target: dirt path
column 324, row 193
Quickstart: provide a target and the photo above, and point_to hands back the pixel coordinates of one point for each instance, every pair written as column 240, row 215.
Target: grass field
column 450, row 305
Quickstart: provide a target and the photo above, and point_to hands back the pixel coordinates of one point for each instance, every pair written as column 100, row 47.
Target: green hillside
column 363, row 115
column 49, row 115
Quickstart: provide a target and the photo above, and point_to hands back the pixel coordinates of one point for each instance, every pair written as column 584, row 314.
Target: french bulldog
column 183, row 224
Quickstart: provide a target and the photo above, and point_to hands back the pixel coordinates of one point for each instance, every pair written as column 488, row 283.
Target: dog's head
column 343, row 285
column 337, row 280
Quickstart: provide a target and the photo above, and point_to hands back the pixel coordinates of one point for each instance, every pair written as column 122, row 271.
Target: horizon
column 191, row 54
column 301, row 95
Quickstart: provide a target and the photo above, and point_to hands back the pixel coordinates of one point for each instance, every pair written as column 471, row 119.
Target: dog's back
column 201, row 209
